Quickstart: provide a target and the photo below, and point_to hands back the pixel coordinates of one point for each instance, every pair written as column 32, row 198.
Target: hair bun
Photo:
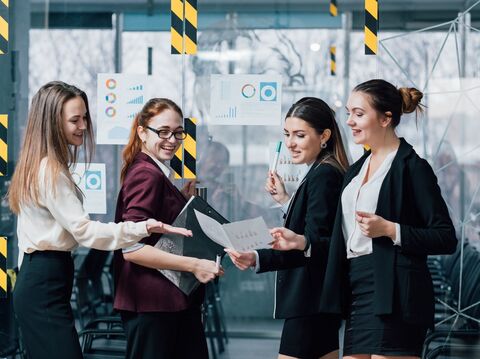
column 411, row 98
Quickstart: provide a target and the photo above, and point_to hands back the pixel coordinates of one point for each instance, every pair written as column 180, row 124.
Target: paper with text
column 243, row 236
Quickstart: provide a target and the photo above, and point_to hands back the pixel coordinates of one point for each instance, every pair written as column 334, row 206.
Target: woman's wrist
column 284, row 199
column 391, row 230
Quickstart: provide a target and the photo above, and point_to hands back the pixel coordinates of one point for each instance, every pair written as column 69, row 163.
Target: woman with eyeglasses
column 52, row 221
column 159, row 319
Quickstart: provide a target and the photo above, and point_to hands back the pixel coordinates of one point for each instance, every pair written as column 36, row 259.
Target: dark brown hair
column 386, row 97
column 321, row 117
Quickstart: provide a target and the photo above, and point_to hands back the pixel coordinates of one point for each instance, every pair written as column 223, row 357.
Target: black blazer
column 410, row 196
column 311, row 213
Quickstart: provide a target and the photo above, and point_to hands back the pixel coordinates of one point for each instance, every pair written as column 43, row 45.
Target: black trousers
column 165, row 335
column 41, row 302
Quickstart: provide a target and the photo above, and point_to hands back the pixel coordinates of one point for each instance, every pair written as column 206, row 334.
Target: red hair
column 152, row 108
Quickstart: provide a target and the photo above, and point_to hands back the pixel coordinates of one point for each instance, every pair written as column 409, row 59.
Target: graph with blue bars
column 231, row 113
column 136, row 101
column 136, row 88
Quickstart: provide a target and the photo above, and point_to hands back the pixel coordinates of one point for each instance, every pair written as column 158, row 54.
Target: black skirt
column 41, row 301
column 153, row 335
column 310, row 337
column 367, row 333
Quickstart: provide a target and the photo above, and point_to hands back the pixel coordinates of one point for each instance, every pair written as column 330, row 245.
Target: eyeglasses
column 167, row 134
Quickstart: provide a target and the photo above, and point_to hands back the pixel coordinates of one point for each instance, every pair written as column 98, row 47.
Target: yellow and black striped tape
column 333, row 61
column 3, row 267
column 333, row 8
column 191, row 26
column 190, row 149
column 184, row 25
column 371, row 27
column 176, row 28
column 4, row 7
column 3, row 145
column 183, row 162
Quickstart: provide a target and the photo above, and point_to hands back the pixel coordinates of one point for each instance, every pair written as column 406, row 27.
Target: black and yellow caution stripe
column 4, row 28
column 3, row 267
column 333, row 61
column 333, row 8
column 3, row 145
column 371, row 27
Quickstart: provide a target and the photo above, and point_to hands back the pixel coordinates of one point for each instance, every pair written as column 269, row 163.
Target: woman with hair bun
column 391, row 216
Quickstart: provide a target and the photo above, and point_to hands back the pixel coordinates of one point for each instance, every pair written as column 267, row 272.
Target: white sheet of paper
column 213, row 229
column 248, row 235
column 91, row 180
column 242, row 236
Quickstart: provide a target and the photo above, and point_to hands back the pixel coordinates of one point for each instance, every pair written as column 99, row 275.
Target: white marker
column 277, row 156
column 217, row 261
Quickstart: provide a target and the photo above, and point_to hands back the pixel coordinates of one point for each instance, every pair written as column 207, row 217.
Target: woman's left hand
column 285, row 239
column 374, row 226
column 188, row 189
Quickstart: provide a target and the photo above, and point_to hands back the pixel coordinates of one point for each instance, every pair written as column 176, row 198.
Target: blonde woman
column 52, row 221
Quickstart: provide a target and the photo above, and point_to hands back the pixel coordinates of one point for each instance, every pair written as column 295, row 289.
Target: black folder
column 199, row 245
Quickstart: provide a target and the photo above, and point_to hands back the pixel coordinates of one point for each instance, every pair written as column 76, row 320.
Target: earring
column 323, row 145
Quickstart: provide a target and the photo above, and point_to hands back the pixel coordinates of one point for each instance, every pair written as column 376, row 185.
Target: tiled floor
column 250, row 348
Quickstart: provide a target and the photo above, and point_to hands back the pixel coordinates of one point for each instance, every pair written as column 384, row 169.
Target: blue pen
column 277, row 156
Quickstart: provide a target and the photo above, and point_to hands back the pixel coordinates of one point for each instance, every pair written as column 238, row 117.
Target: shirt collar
column 167, row 170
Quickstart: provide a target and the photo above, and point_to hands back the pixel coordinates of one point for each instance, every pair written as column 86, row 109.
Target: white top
column 61, row 223
column 356, row 197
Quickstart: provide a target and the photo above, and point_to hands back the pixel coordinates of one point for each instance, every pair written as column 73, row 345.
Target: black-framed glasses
column 167, row 134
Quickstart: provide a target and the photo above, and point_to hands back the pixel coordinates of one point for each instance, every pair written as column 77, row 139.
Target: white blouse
column 61, row 223
column 356, row 197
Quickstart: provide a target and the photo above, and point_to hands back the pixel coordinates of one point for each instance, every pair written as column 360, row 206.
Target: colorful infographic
column 119, row 98
column 245, row 100
column 91, row 181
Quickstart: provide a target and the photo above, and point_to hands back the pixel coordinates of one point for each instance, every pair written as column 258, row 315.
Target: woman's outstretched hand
column 285, row 239
column 154, row 226
column 242, row 260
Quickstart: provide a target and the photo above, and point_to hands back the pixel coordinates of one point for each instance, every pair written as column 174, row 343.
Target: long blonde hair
column 45, row 137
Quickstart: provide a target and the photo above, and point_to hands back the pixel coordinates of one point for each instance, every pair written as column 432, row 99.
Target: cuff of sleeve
column 308, row 248
column 398, row 238
column 140, row 229
column 133, row 248
column 285, row 206
column 257, row 262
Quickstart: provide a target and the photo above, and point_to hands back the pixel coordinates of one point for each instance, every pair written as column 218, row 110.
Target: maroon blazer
column 147, row 193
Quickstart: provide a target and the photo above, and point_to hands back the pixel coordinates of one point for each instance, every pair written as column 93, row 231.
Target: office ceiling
column 394, row 14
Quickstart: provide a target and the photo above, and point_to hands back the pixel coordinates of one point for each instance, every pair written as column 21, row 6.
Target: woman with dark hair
column 52, row 221
column 390, row 218
column 159, row 319
column 312, row 136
